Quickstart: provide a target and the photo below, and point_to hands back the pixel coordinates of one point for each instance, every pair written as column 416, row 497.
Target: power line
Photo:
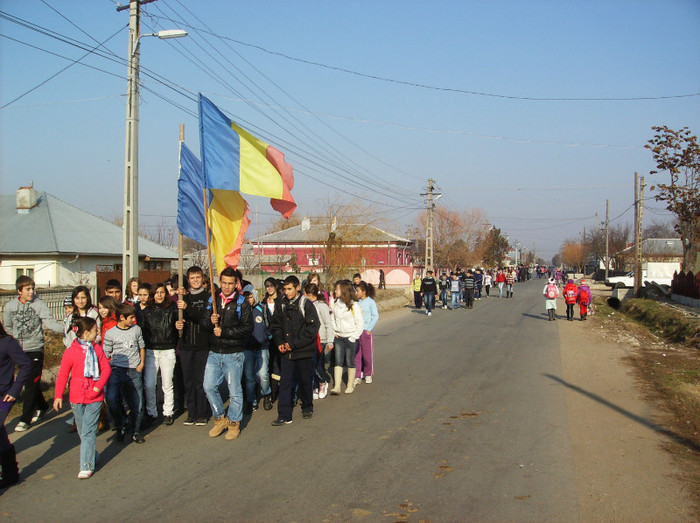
column 439, row 88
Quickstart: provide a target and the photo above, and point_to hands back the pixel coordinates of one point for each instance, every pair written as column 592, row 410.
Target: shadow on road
column 543, row 316
column 634, row 417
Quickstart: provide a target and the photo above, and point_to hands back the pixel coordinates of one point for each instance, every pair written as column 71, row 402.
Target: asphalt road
column 461, row 423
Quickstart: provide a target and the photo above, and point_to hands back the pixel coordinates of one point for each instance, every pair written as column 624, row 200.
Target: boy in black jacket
column 228, row 328
column 295, row 331
column 194, row 346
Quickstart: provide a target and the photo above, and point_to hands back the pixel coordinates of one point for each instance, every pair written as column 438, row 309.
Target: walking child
column 570, row 293
column 325, row 339
column 86, row 364
column 551, row 292
column 348, row 326
column 583, row 299
column 256, row 370
column 364, row 359
column 125, row 346
column 295, row 333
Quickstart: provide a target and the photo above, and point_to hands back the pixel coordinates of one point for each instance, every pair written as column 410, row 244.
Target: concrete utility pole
column 130, row 255
column 429, row 224
column 638, row 214
column 607, row 238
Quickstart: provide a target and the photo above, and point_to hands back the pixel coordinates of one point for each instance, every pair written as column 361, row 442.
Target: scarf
column 92, row 368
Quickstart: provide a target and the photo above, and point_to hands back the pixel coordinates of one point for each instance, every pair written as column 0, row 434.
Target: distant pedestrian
column 348, row 325
column 455, row 290
column 87, row 366
column 584, row 299
column 428, row 289
column 364, row 359
column 570, row 293
column 551, row 292
column 382, row 281
column 417, row 298
column 500, row 281
column 444, row 286
column 487, row 282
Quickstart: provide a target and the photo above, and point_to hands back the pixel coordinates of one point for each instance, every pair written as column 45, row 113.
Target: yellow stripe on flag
column 257, row 175
column 228, row 222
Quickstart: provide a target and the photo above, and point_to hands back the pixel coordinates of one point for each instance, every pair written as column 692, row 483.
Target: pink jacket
column 73, row 363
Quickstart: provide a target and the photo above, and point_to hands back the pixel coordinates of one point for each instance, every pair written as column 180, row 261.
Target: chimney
column 305, row 223
column 26, row 199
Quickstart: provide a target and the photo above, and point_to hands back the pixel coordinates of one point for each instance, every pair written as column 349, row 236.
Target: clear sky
column 534, row 112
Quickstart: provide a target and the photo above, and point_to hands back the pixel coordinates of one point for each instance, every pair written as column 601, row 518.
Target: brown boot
column 234, row 429
column 220, row 425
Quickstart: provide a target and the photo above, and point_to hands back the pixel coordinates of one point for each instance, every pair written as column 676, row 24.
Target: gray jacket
column 26, row 323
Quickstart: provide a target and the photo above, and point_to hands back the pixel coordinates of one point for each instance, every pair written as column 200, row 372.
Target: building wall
column 68, row 271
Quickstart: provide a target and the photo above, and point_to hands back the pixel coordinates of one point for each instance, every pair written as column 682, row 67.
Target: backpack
column 583, row 297
column 551, row 291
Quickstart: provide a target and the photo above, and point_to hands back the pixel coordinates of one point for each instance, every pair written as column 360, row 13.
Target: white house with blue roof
column 58, row 244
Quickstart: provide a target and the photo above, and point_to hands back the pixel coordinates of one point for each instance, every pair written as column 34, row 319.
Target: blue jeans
column 227, row 367
column 255, row 368
column 455, row 300
column 344, row 350
column 443, row 297
column 87, row 416
column 429, row 300
column 128, row 382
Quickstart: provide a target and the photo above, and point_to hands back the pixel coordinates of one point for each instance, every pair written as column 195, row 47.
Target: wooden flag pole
column 211, row 271
column 179, row 243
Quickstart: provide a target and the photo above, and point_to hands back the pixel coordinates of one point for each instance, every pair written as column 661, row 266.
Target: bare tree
column 678, row 154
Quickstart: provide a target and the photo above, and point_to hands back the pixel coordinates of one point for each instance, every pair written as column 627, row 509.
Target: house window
column 398, row 259
column 153, row 265
column 24, row 271
column 312, row 260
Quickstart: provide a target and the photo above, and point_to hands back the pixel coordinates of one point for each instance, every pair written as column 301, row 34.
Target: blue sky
column 538, row 167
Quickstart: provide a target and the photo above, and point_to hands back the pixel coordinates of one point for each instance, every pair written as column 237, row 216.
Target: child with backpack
column 551, row 292
column 570, row 293
column 89, row 370
column 257, row 356
column 584, row 299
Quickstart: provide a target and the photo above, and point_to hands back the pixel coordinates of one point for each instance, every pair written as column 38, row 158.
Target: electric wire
column 444, row 89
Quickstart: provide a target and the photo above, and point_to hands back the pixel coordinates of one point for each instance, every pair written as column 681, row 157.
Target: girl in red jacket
column 89, row 370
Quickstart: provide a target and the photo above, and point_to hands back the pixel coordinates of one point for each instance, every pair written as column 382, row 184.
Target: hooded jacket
column 299, row 329
column 26, row 323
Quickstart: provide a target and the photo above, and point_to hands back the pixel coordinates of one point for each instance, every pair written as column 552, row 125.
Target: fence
column 52, row 297
column 686, row 284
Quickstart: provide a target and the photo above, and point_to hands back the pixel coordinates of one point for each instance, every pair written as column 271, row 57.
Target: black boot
column 10, row 469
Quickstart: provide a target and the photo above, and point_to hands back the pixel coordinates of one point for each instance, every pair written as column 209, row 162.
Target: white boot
column 351, row 382
column 337, row 380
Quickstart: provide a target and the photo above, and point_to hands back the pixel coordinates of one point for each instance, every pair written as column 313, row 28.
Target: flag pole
column 179, row 240
column 211, row 272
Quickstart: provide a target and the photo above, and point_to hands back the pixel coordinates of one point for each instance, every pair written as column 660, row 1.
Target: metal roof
column 56, row 227
column 356, row 233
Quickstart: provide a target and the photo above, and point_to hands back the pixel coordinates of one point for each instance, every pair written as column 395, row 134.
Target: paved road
column 461, row 423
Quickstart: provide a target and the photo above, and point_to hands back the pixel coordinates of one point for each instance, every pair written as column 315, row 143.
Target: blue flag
column 190, row 200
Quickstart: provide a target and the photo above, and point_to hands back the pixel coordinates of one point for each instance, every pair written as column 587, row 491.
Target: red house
column 346, row 249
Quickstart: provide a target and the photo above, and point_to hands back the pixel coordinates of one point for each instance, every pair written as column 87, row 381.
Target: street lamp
column 130, row 256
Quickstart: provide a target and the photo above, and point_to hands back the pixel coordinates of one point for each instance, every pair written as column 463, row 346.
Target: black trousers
column 33, row 397
column 469, row 298
column 193, row 363
column 299, row 372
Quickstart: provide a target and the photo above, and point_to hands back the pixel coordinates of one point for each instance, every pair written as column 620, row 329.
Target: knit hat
column 583, row 282
column 570, row 281
column 551, row 280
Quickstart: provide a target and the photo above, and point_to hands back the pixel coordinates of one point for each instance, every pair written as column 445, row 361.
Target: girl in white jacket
column 348, row 326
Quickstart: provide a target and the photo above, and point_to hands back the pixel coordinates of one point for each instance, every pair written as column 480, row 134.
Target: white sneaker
column 39, row 414
column 356, row 382
column 84, row 474
column 430, row 313
column 322, row 390
column 21, row 426
column 368, row 379
column 315, row 394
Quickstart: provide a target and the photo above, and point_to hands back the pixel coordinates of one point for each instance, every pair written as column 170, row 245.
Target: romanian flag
column 228, row 212
column 235, row 160
column 228, row 222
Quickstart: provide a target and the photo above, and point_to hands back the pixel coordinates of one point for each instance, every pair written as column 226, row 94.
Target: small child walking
column 551, row 292
column 86, row 364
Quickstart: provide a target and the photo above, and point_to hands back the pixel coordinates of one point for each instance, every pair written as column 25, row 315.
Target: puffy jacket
column 159, row 331
column 73, row 364
column 235, row 329
column 11, row 354
column 570, row 293
column 194, row 335
column 300, row 330
column 428, row 284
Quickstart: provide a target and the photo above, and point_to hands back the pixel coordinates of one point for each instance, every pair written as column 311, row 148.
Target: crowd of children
column 277, row 349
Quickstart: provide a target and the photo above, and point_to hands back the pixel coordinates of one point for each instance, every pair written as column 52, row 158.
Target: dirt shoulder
column 621, row 433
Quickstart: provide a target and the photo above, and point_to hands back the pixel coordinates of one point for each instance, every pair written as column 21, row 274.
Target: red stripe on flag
column 286, row 204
